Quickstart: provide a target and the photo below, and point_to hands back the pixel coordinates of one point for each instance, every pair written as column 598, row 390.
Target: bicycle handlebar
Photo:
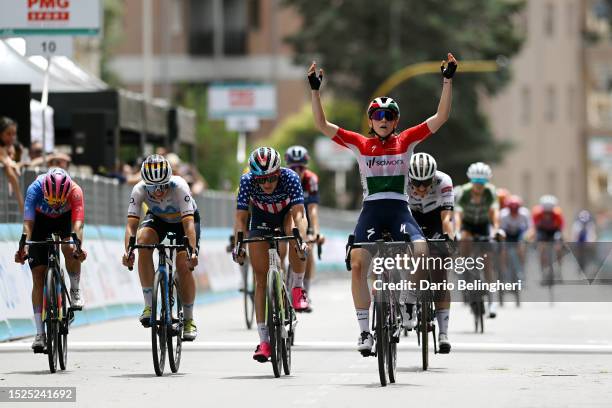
column 132, row 245
column 49, row 241
column 270, row 238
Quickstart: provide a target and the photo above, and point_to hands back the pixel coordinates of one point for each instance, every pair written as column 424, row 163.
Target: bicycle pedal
column 39, row 350
column 367, row 353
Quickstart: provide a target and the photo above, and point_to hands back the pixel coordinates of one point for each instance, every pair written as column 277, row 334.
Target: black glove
column 449, row 70
column 315, row 81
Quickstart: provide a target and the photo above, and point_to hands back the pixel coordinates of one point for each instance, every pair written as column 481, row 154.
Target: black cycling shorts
column 476, row 229
column 162, row 228
column 264, row 223
column 43, row 228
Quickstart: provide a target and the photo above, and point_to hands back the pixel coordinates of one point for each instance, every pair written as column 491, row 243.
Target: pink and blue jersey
column 35, row 203
column 288, row 192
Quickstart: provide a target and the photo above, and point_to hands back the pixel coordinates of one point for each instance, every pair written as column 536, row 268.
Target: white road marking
column 324, row 346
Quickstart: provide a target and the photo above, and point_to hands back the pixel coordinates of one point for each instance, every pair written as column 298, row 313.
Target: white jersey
column 515, row 225
column 439, row 195
column 172, row 207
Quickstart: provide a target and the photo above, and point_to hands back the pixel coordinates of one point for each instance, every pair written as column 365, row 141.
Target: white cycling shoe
column 409, row 318
column 365, row 342
column 444, row 346
column 77, row 300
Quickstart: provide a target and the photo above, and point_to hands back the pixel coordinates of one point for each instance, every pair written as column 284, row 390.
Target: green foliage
column 216, row 147
column 360, row 43
column 113, row 32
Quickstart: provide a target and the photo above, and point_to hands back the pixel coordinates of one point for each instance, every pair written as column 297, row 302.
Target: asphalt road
column 538, row 355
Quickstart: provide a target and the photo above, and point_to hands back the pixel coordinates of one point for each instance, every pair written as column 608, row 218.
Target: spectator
column 188, row 171
column 8, row 137
column 57, row 159
column 36, row 154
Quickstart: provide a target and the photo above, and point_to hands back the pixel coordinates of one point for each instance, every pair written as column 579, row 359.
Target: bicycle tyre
column 175, row 338
column 158, row 326
column 287, row 342
column 273, row 322
column 63, row 332
column 248, row 289
column 481, row 314
column 381, row 339
column 392, row 350
column 423, row 328
column 51, row 321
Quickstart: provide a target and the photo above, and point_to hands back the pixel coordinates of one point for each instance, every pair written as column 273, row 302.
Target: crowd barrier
column 109, row 289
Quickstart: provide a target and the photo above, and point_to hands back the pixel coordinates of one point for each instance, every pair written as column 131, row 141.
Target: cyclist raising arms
column 432, row 199
column 297, row 160
column 171, row 208
column 54, row 204
column 383, row 160
column 478, row 213
column 277, row 201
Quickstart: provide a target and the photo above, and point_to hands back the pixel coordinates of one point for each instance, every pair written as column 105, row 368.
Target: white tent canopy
column 64, row 75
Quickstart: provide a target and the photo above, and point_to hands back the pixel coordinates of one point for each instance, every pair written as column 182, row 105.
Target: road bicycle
column 167, row 320
column 280, row 315
column 57, row 309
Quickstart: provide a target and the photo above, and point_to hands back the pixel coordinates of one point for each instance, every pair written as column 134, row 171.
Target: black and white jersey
column 426, row 210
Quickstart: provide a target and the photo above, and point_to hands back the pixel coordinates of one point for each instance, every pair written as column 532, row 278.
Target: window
column 525, row 107
column 254, row 11
column 226, row 34
column 201, row 27
column 549, row 19
column 551, row 103
column 234, row 26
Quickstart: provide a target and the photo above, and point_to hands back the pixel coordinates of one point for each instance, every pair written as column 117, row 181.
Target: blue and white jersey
column 172, row 207
column 288, row 192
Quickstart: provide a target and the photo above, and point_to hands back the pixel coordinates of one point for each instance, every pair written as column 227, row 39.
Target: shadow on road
column 252, row 377
column 419, row 369
column 147, row 375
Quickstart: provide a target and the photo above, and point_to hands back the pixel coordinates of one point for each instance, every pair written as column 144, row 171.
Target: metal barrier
column 106, row 203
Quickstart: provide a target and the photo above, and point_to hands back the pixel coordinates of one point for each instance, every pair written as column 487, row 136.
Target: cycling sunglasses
column 158, row 189
column 266, row 179
column 419, row 183
column 383, row 113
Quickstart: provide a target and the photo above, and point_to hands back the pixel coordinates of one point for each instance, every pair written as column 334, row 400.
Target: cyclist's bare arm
column 494, row 217
column 447, row 222
column 28, row 226
column 327, row 128
column 299, row 218
column 240, row 223
column 77, row 227
column 444, row 107
column 313, row 214
column 130, row 230
column 458, row 220
column 189, row 228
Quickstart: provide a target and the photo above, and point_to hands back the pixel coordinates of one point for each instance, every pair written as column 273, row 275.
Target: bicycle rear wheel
column 62, row 344
column 175, row 338
column 248, row 291
column 158, row 326
column 51, row 321
column 382, row 338
column 273, row 321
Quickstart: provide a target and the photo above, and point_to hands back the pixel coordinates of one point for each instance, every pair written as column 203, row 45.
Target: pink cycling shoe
column 262, row 352
column 300, row 299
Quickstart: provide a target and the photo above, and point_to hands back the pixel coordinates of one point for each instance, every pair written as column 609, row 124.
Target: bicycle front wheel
column 273, row 321
column 63, row 322
column 382, row 338
column 175, row 338
column 424, row 332
column 394, row 335
column 51, row 320
column 158, row 324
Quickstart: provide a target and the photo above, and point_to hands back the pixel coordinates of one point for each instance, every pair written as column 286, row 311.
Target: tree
column 360, row 43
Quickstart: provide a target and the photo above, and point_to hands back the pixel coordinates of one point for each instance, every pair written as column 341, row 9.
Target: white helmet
column 479, row 170
column 156, row 170
column 548, row 202
column 422, row 166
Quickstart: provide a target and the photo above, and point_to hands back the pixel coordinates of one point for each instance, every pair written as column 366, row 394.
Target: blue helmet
column 264, row 161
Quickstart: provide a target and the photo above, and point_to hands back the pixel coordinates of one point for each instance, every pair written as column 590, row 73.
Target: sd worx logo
column 383, row 162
